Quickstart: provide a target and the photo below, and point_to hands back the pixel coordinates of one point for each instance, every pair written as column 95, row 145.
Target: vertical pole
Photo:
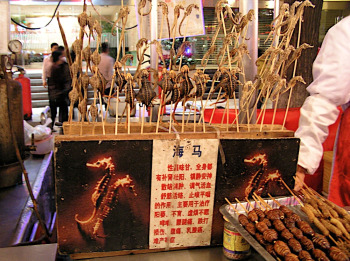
column 5, row 26
column 154, row 35
column 250, row 68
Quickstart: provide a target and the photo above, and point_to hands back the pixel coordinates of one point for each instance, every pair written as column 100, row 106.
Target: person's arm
column 44, row 75
column 330, row 88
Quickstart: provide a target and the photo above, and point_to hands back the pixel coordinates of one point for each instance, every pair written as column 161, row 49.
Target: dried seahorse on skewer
column 295, row 56
column 228, row 84
column 294, row 19
column 206, row 56
column 247, row 91
column 146, row 94
column 200, row 80
column 165, row 12
column 292, row 82
column 86, row 55
column 93, row 111
column 188, row 11
column 159, row 50
column 238, row 53
column 167, row 84
column 90, row 23
column 275, row 24
column 245, row 20
column 98, row 29
column 96, row 57
column 227, row 42
column 185, row 86
column 122, row 15
column 129, row 91
column 219, row 8
column 283, row 57
column 142, row 5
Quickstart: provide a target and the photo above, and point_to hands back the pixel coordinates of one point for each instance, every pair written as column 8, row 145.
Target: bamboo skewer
column 183, row 118
column 143, row 117
column 171, row 109
column 159, row 110
column 103, row 123
column 128, row 119
column 250, row 204
column 242, row 206
column 232, row 206
column 295, row 67
column 195, row 114
column 267, row 206
column 257, row 202
column 212, row 114
column 291, row 192
column 117, row 112
column 274, row 200
column 150, row 115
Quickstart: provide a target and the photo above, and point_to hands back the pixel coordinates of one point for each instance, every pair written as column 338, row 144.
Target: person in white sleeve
column 47, row 63
column 330, row 88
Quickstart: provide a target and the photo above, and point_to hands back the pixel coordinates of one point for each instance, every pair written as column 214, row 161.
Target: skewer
column 232, row 206
column 236, row 113
column 250, row 204
column 183, row 118
column 267, row 206
column 171, row 109
column 103, row 123
column 335, row 242
column 291, row 192
column 295, row 67
column 274, row 200
column 245, row 209
column 117, row 112
column 257, row 202
column 212, row 114
column 128, row 118
column 143, row 117
column 150, row 115
column 195, row 114
column 159, row 110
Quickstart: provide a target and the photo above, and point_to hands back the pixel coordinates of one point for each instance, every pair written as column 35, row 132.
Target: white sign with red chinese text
column 182, row 194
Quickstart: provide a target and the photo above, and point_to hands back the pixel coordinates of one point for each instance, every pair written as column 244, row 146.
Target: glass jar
column 235, row 247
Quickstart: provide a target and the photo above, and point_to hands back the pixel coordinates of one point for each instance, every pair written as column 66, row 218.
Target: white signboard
column 182, row 194
column 192, row 25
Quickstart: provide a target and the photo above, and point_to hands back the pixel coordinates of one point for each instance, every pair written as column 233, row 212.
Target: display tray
column 232, row 217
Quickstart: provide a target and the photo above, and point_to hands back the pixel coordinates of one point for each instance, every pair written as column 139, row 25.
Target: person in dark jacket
column 59, row 86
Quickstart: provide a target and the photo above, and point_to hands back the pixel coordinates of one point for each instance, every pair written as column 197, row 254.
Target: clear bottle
column 235, row 247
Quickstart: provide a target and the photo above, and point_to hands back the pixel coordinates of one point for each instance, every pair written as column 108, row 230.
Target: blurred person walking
column 59, row 86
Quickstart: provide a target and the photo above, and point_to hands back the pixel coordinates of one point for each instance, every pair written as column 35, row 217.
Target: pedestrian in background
column 59, row 87
column 47, row 63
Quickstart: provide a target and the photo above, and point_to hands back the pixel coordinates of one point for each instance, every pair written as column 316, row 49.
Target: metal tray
column 231, row 216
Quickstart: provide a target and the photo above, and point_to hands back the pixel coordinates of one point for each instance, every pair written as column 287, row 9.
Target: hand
column 300, row 176
column 45, row 84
